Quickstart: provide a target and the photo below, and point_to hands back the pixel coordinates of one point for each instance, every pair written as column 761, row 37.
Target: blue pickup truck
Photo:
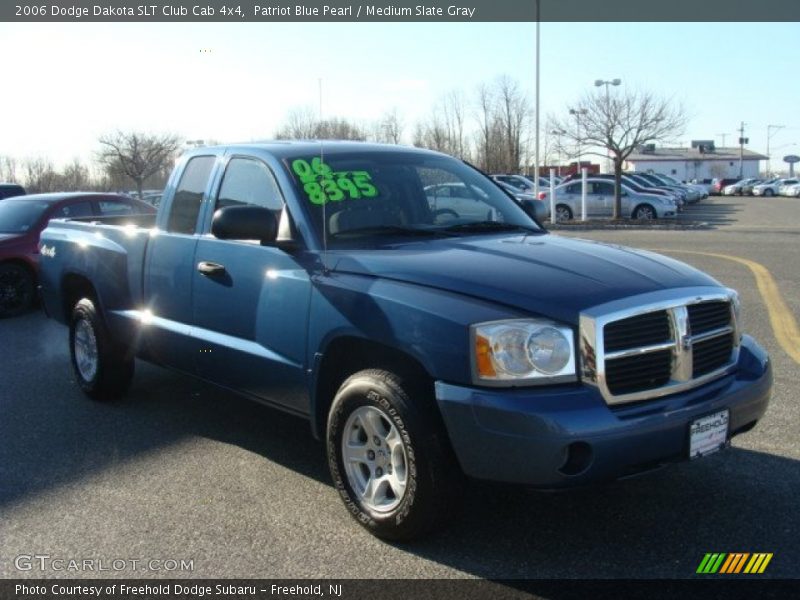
column 427, row 339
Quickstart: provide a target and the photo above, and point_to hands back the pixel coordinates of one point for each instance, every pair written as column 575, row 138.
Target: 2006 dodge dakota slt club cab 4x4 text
column 426, row 335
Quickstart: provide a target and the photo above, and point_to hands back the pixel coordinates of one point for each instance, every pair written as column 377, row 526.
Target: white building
column 701, row 162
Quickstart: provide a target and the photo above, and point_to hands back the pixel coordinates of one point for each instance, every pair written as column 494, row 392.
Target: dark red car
column 23, row 218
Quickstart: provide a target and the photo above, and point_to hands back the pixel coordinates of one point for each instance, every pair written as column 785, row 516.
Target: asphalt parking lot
column 180, row 470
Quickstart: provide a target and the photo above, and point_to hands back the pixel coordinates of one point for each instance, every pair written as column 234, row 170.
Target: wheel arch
column 346, row 355
column 75, row 286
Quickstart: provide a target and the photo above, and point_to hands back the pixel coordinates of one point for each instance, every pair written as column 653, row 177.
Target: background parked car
column 636, row 184
column 793, row 191
column 785, row 184
column 772, row 188
column 9, row 190
column 735, row 189
column 747, row 189
column 22, row 220
column 600, row 201
column 719, row 184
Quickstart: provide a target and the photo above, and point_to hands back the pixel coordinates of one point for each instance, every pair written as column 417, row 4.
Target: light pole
column 598, row 83
column 577, row 112
column 777, row 128
column 614, row 82
column 558, row 133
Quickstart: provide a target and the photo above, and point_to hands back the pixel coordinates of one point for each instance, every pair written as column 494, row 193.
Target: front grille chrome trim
column 593, row 357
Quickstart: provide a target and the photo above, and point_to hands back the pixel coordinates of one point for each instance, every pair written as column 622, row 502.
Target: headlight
column 530, row 351
column 736, row 303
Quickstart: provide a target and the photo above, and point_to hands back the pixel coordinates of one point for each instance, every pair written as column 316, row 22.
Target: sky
column 68, row 83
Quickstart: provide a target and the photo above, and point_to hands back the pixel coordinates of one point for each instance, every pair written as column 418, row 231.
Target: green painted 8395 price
column 322, row 184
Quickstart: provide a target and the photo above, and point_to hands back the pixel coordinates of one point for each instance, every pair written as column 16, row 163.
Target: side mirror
column 530, row 209
column 245, row 223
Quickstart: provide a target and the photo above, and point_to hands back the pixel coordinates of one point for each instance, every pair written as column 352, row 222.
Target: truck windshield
column 19, row 216
column 378, row 194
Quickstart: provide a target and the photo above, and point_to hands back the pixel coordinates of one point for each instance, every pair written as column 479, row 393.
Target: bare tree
column 621, row 123
column 40, row 175
column 8, row 169
column 301, row 124
column 137, row 156
column 513, row 111
column 75, row 177
column 389, row 129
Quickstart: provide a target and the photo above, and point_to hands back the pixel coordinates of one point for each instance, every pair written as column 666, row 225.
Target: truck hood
column 552, row 276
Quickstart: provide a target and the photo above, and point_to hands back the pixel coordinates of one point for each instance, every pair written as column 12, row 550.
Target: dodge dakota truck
column 428, row 339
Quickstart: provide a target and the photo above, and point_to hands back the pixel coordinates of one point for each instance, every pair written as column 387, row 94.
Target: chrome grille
column 641, row 330
column 657, row 344
column 707, row 316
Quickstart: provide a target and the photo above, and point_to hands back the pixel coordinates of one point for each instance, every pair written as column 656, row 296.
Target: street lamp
column 577, row 113
column 614, row 82
column 598, row 83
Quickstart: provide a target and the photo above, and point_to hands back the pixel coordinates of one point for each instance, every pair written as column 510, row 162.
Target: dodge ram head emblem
column 686, row 343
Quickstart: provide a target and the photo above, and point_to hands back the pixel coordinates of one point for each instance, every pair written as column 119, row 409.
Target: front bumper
column 564, row 436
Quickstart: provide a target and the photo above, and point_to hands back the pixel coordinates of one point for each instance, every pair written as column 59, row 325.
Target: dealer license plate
column 708, row 434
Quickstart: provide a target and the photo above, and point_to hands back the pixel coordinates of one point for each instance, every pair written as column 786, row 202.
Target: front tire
column 768, row 192
column 102, row 368
column 17, row 290
column 389, row 457
column 644, row 212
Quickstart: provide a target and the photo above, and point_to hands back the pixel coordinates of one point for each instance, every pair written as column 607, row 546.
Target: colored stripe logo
column 734, row 563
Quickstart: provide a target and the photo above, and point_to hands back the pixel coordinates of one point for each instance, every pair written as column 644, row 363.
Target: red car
column 23, row 218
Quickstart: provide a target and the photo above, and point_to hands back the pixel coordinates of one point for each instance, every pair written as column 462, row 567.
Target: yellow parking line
column 783, row 323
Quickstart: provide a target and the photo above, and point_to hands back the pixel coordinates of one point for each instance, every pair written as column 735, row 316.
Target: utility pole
column 723, row 136
column 742, row 141
column 769, row 136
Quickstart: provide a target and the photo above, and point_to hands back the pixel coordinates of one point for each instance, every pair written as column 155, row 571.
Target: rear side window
column 188, row 198
column 72, row 211
column 249, row 182
column 108, row 209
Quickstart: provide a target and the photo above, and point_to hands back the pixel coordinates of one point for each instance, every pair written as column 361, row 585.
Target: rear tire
column 563, row 212
column 102, row 367
column 389, row 456
column 17, row 290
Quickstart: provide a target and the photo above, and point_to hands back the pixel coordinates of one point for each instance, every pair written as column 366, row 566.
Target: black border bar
column 730, row 588
column 399, row 11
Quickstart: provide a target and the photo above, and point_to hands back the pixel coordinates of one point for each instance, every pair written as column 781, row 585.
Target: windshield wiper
column 489, row 226
column 388, row 230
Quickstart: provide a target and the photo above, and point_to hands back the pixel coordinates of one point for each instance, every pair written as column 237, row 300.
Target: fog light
column 579, row 458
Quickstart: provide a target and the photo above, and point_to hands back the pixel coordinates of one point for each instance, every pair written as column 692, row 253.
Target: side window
column 71, row 211
column 185, row 206
column 575, row 188
column 603, row 188
column 108, row 208
column 249, row 182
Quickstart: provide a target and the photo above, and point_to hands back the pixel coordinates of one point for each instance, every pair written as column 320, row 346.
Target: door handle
column 210, row 269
